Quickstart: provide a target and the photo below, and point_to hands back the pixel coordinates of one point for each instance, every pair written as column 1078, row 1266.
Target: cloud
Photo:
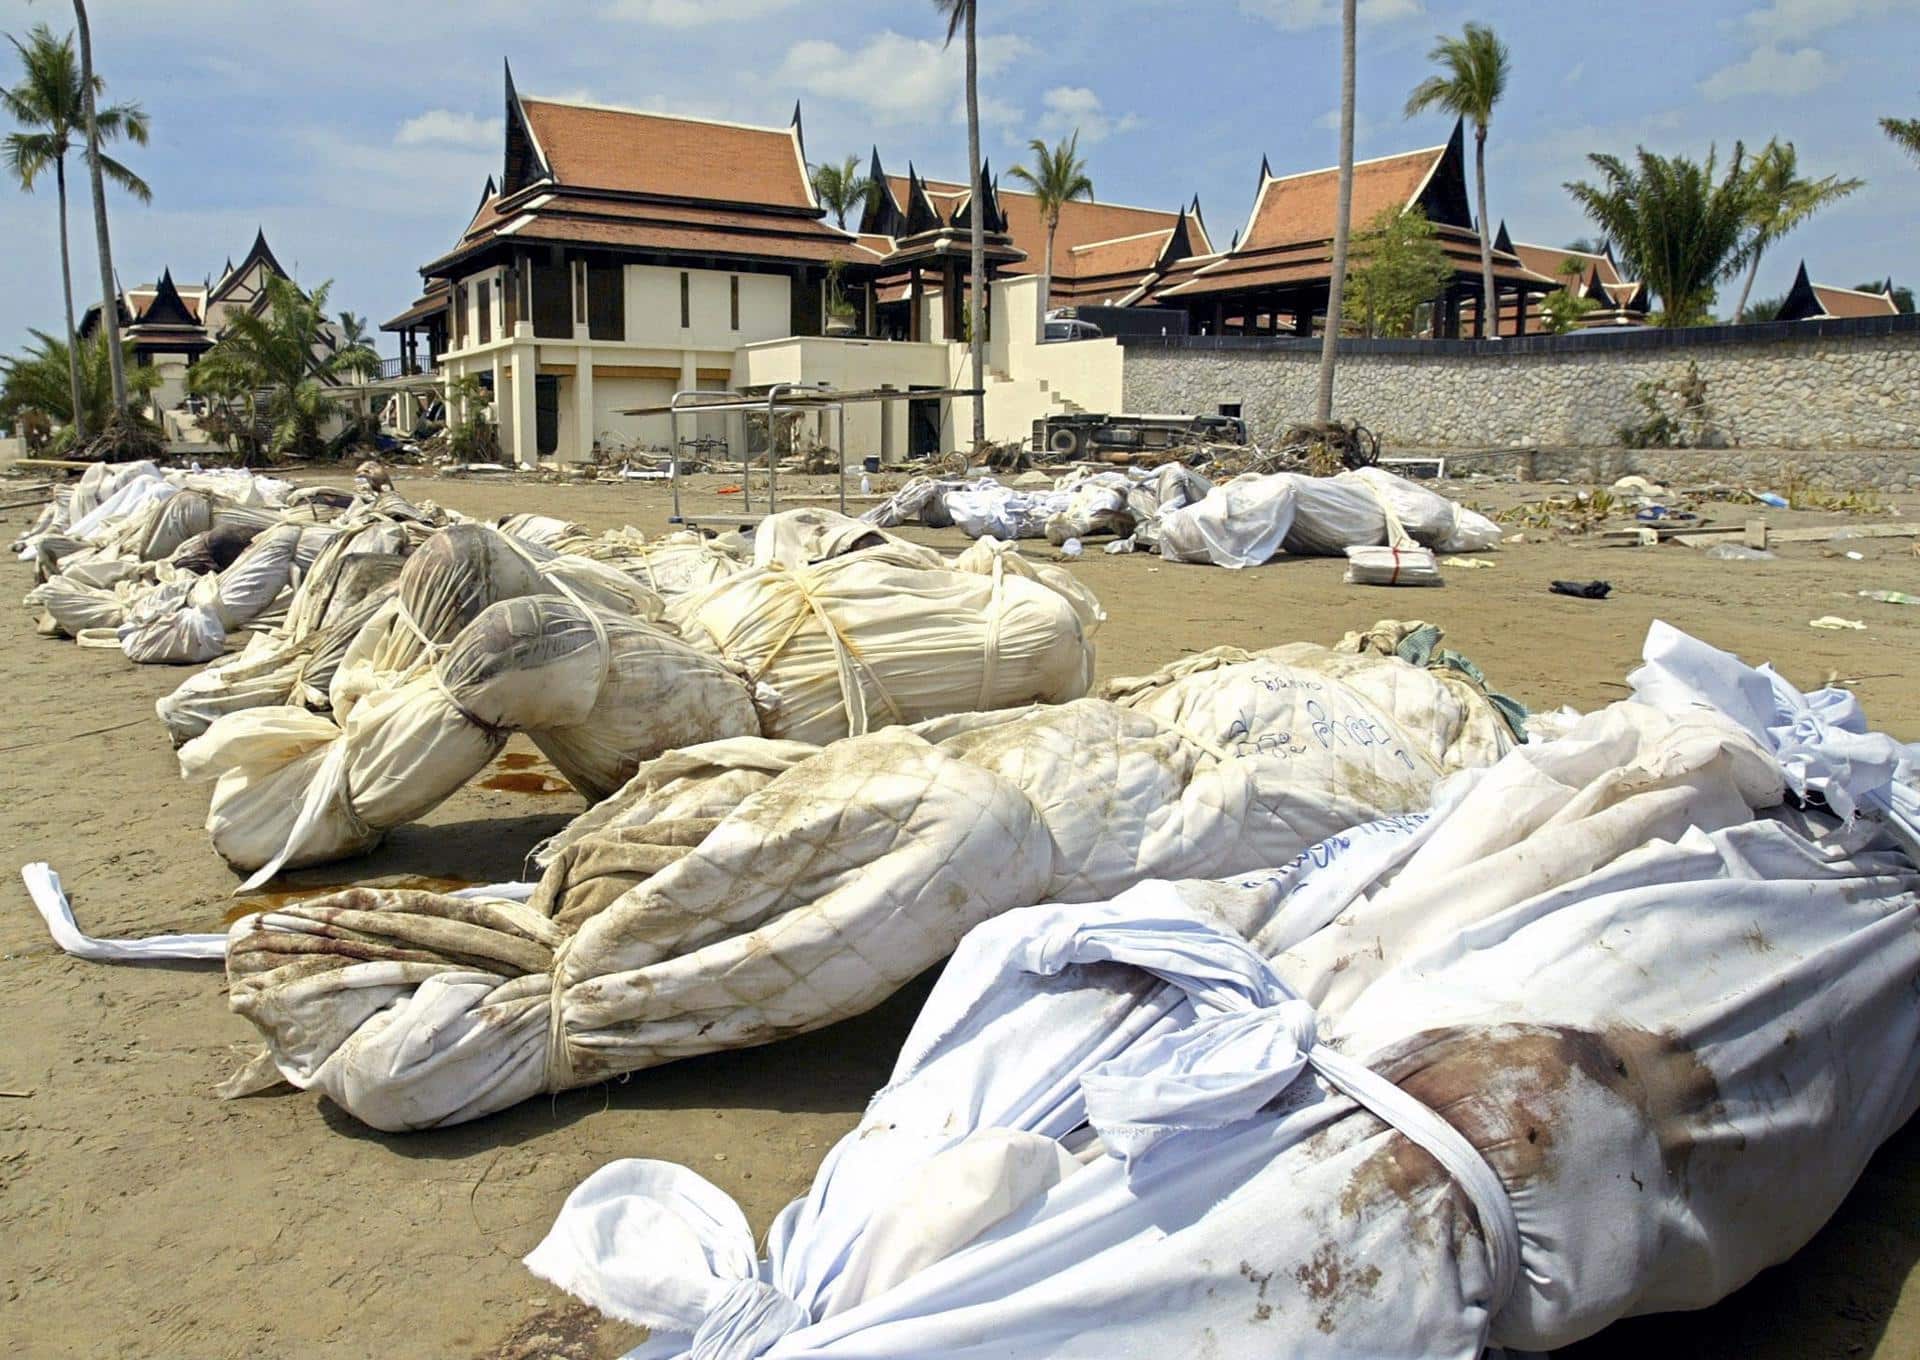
column 1068, row 108
column 1313, row 13
column 1772, row 70
column 1784, row 20
column 897, row 79
column 445, row 127
column 1363, row 126
column 694, row 13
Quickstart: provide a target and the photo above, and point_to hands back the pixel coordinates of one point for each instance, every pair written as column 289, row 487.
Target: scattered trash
column 732, row 490
column 1465, row 563
column 1120, row 545
column 1583, row 590
column 1834, row 623
column 1640, row 486
column 1854, row 556
column 1071, row 548
column 1890, row 596
column 1774, row 499
column 1516, row 538
column 1661, row 512
column 1738, row 552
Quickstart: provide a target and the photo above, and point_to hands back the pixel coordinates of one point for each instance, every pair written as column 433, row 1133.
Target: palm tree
column 1342, row 219
column 1059, row 177
column 1904, row 131
column 1782, row 200
column 48, row 100
column 109, row 295
column 69, row 384
column 1476, row 76
column 964, row 15
column 841, row 188
column 1673, row 225
column 281, row 354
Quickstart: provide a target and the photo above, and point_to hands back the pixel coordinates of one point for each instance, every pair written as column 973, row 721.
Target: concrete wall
column 1849, row 385
column 850, row 365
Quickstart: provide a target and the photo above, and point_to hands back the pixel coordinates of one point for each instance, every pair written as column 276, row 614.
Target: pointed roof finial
column 799, row 130
column 1266, row 169
column 507, row 67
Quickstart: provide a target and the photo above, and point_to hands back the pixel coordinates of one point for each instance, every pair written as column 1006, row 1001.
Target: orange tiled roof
column 647, row 153
column 1302, row 207
column 1549, row 260
column 1840, row 302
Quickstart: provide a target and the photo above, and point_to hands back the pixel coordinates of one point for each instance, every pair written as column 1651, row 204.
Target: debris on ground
column 1583, row 590
column 1834, row 623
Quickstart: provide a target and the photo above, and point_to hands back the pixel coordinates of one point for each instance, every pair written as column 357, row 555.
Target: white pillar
column 526, row 449
column 583, row 418
column 502, row 405
column 690, row 382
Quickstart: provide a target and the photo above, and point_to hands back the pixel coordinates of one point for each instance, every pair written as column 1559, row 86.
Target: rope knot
column 748, row 1321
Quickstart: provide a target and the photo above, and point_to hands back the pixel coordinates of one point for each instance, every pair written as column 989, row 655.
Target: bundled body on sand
column 840, row 629
column 752, row 889
column 1179, row 513
column 1612, row 1029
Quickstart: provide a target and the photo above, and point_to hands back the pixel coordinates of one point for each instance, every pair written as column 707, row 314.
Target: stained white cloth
column 1669, row 1010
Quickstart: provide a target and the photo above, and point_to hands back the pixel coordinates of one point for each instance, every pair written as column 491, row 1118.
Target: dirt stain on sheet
column 253, row 903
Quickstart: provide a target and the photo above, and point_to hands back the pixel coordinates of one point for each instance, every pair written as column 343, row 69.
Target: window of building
column 735, row 282
column 607, row 301
column 686, row 299
column 459, row 316
column 486, row 310
column 552, row 299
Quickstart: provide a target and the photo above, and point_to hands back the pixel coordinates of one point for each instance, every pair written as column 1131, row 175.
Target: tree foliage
column 1396, row 266
column 272, row 372
column 1781, row 198
column 1675, row 225
column 841, row 188
column 1059, row 176
column 1905, row 133
column 38, row 380
column 1474, row 75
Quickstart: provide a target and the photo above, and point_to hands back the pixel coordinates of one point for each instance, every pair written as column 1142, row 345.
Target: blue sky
column 359, row 132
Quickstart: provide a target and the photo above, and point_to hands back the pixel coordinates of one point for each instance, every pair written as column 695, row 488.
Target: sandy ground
column 140, row 1215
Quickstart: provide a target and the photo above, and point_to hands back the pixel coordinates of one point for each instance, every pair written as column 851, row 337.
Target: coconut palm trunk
column 1343, row 217
column 1046, row 283
column 977, row 241
column 1746, row 289
column 1489, row 301
column 109, row 295
column 66, row 291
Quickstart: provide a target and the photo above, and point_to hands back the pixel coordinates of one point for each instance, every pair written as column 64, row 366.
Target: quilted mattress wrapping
column 748, row 890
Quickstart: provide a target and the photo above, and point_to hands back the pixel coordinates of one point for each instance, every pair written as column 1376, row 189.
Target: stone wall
column 1826, row 386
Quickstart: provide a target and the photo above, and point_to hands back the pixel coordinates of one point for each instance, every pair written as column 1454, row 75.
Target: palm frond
column 126, row 179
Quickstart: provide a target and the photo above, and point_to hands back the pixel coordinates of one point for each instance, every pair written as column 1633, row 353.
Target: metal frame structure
column 780, row 397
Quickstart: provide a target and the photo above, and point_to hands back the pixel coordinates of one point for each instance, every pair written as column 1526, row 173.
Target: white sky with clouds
column 359, row 132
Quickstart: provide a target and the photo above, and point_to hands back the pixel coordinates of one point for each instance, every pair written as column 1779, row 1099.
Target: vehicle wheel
column 1065, row 441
